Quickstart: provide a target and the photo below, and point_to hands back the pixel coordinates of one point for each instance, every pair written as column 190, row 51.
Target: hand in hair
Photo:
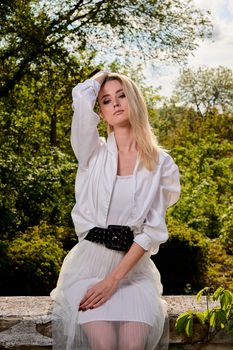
column 100, row 76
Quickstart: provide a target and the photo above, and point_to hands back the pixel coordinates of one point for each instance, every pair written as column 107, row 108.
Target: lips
column 120, row 111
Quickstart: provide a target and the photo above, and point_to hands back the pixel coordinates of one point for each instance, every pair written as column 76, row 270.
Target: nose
column 116, row 102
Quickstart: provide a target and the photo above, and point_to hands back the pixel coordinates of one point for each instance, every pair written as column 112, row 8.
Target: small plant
column 212, row 319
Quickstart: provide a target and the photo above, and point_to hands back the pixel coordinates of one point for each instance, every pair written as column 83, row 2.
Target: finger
column 95, row 297
column 90, row 304
column 99, row 303
column 100, row 76
column 86, row 301
column 96, row 303
column 88, row 295
column 91, row 301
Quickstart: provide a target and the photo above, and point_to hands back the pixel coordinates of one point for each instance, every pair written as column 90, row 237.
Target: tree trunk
column 53, row 130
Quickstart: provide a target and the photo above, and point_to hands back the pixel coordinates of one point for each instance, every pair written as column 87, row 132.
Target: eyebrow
column 109, row 94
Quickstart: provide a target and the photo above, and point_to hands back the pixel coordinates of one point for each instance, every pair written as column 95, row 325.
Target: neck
column 125, row 140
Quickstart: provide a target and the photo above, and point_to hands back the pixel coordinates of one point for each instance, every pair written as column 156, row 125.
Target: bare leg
column 133, row 335
column 101, row 335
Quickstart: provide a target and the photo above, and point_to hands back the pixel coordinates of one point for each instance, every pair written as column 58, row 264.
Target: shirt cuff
column 144, row 241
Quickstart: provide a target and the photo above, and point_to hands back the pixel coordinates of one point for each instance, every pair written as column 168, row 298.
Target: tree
column 206, row 88
column 36, row 116
column 34, row 30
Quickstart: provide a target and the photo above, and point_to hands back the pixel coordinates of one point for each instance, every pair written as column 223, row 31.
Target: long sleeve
column 84, row 134
column 154, row 230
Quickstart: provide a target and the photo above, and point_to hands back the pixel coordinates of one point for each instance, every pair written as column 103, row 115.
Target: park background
column 46, row 48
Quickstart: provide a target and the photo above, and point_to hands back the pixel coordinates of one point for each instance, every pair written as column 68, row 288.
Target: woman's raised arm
column 84, row 134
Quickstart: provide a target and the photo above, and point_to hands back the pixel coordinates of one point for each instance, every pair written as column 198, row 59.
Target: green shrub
column 220, row 266
column 182, row 260
column 30, row 263
column 212, row 320
column 65, row 235
column 34, row 190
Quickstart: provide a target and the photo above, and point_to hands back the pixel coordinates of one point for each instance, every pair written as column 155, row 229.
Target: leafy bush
column 220, row 266
column 34, row 190
column 212, row 320
column 30, row 263
column 202, row 147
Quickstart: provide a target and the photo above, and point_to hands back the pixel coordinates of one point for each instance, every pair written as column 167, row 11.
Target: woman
column 108, row 294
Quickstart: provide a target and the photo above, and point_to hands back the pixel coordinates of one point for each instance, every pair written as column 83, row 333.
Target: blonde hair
column 147, row 143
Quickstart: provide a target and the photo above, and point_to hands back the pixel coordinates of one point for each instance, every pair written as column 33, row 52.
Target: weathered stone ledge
column 25, row 323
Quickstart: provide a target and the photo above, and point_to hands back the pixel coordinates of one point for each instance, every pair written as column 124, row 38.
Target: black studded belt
column 114, row 237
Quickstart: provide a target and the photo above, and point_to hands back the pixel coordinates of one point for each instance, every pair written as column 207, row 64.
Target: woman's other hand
column 99, row 294
column 100, row 76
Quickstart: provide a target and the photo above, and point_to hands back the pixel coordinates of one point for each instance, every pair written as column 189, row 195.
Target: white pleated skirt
column 135, row 308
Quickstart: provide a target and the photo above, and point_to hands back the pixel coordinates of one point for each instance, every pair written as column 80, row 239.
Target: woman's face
column 114, row 104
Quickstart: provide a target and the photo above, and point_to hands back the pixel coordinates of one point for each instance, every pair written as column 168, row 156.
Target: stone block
column 25, row 324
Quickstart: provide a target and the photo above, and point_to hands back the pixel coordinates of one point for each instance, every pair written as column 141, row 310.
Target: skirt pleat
column 134, row 313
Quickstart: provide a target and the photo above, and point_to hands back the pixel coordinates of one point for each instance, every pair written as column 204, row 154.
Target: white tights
column 105, row 335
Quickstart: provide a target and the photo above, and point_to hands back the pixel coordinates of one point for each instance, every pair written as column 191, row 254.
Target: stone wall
column 25, row 323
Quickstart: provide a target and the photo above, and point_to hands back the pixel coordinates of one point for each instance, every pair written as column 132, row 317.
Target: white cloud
column 218, row 50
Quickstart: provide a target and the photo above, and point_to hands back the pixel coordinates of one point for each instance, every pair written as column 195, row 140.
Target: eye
column 122, row 95
column 106, row 102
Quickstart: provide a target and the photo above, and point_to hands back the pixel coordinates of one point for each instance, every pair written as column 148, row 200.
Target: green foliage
column 37, row 114
column 30, row 263
column 202, row 148
column 34, row 190
column 212, row 319
column 185, row 322
column 220, row 265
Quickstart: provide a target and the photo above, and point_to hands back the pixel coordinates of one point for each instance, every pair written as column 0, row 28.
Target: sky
column 211, row 52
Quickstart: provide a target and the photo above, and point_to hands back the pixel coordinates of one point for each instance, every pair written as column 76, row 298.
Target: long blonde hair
column 138, row 117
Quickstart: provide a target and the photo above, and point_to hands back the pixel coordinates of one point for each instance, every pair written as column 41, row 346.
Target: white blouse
column 153, row 191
